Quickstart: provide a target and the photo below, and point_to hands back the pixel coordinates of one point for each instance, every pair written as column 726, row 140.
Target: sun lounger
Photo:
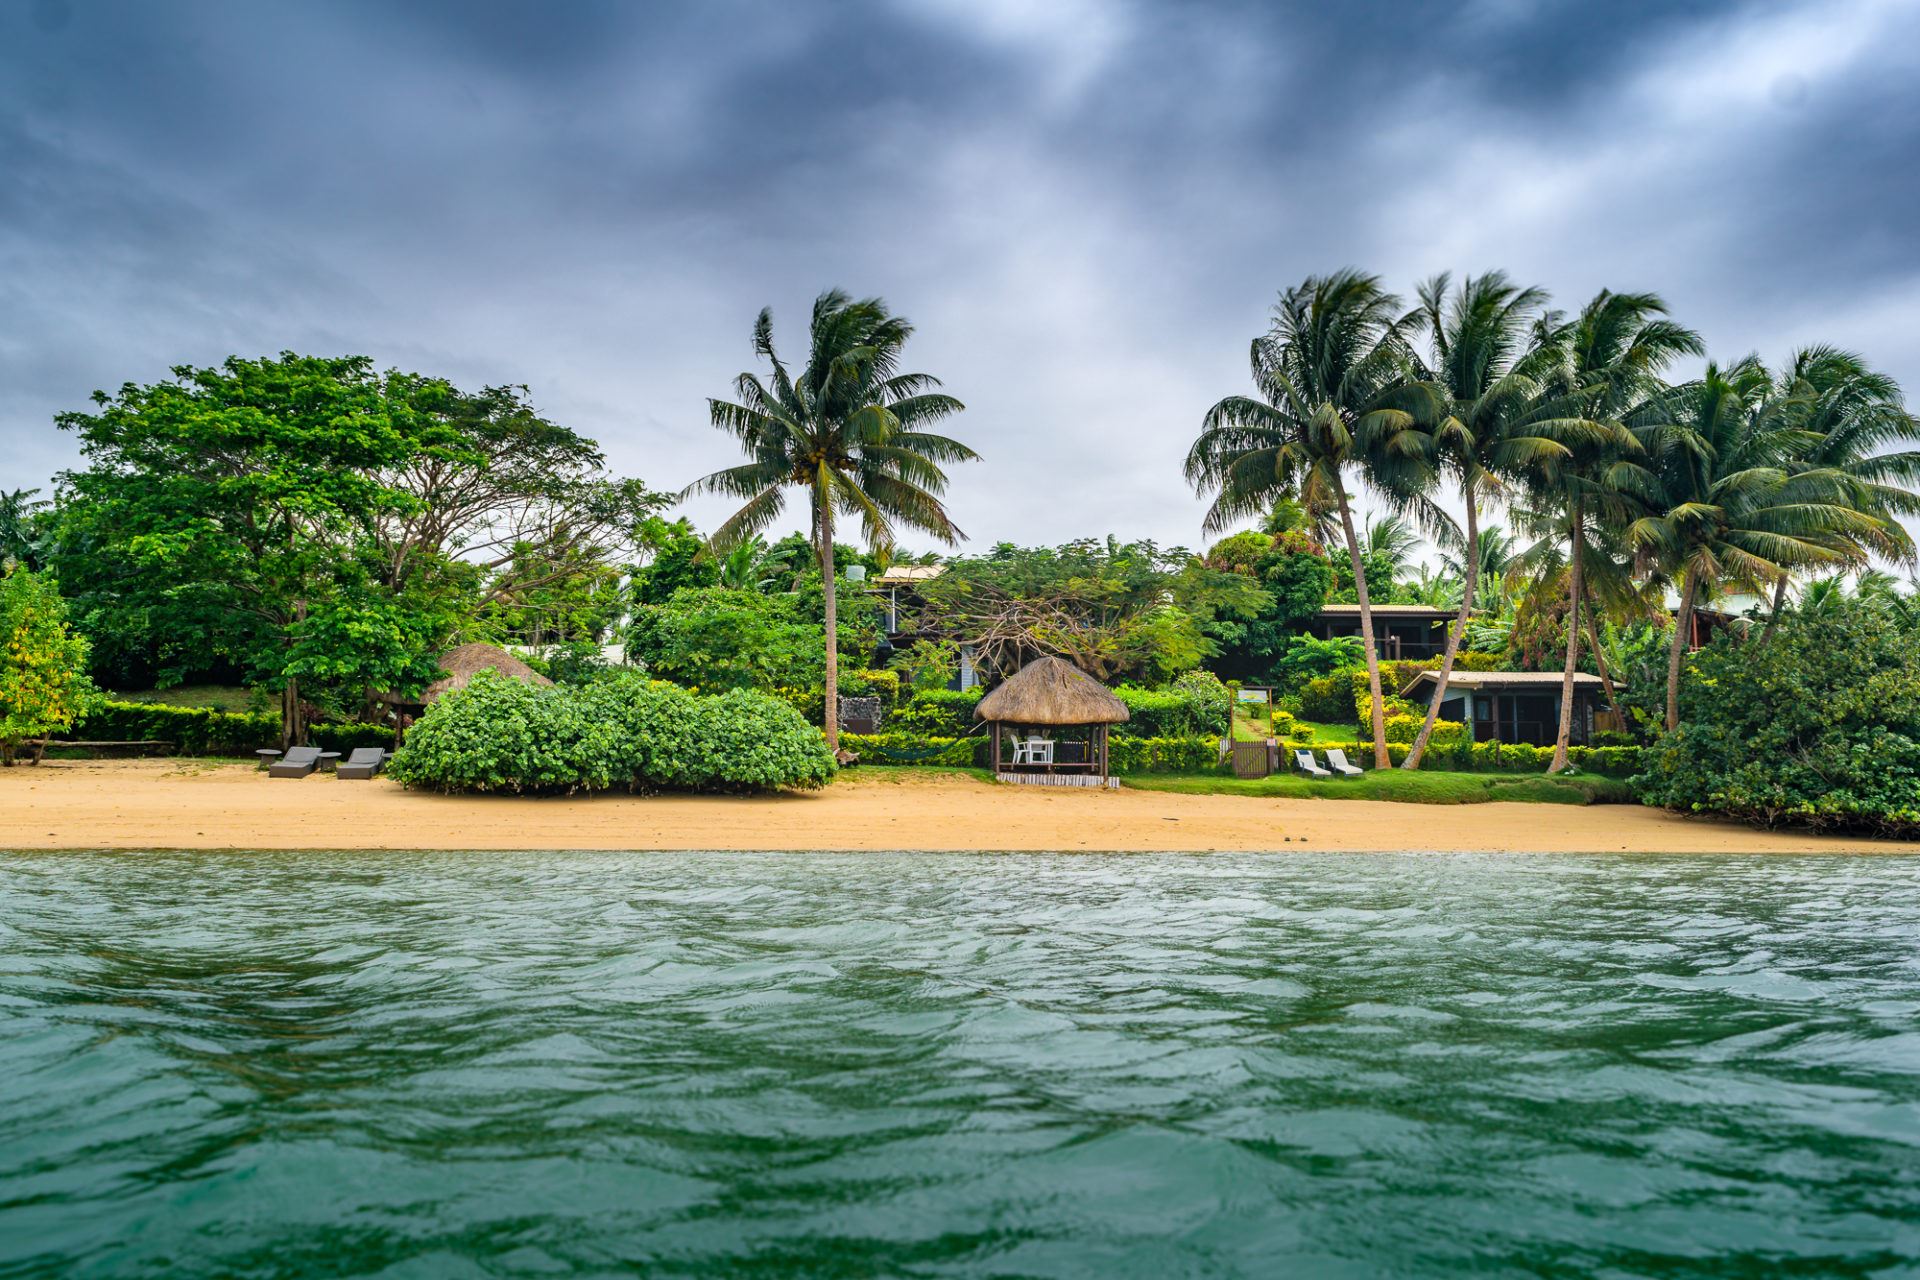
column 362, row 764
column 298, row 762
column 1337, row 761
column 1305, row 760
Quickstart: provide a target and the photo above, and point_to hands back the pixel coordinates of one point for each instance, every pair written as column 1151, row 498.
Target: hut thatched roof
column 467, row 661
column 1050, row 691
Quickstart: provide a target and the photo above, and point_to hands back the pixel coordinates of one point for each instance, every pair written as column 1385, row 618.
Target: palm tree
column 1389, row 544
column 1494, row 556
column 1335, row 392
column 849, row 430
column 1729, row 513
column 1853, row 420
column 1598, row 369
column 19, row 541
column 1482, row 363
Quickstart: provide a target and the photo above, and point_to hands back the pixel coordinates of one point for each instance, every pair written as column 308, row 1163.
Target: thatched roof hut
column 1051, row 691
column 469, row 660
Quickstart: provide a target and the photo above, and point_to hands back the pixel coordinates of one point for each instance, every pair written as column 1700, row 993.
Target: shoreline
column 190, row 804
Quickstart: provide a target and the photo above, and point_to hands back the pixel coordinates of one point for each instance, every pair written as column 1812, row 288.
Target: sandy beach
column 166, row 804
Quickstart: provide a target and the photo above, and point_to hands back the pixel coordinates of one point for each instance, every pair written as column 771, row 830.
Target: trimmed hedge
column 937, row 713
column 1503, row 757
column 1125, row 754
column 203, row 731
column 501, row 735
column 889, row 749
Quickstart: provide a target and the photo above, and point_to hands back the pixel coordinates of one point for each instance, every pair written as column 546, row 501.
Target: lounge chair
column 1305, row 760
column 363, row 763
column 298, row 762
column 1338, row 762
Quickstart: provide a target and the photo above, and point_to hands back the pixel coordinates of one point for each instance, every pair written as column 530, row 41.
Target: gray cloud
column 1086, row 206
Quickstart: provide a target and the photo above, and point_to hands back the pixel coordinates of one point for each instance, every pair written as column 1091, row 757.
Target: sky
column 1086, row 208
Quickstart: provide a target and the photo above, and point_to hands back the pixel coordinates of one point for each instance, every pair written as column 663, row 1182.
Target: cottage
column 1400, row 630
column 1513, row 706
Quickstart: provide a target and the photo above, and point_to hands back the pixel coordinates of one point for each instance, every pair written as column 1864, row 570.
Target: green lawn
column 221, row 697
column 1419, row 787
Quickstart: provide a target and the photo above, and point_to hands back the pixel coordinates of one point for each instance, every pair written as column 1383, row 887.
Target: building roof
column 900, row 575
column 469, row 660
column 1503, row 680
column 1050, row 691
column 1388, row 611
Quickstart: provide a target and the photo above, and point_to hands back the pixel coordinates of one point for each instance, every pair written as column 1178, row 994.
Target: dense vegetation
column 1818, row 724
column 625, row 733
column 315, row 532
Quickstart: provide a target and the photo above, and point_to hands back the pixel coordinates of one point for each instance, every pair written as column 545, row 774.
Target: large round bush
column 623, row 732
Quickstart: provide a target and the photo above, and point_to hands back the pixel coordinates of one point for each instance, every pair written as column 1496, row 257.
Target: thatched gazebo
column 461, row 664
column 1030, row 706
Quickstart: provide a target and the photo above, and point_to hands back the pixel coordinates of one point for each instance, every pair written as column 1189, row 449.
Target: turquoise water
column 430, row 1064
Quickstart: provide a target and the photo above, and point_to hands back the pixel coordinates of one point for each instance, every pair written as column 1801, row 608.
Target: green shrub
column 1210, row 700
column 1328, row 699
column 1405, row 727
column 502, row 735
column 202, row 731
column 908, row 749
column 937, row 713
column 884, row 685
column 1126, row 754
column 1817, row 726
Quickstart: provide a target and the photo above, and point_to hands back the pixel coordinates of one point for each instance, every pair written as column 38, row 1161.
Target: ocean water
column 435, row 1064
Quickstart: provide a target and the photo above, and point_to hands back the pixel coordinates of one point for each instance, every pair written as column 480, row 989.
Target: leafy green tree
column 1255, row 634
column 1335, row 393
column 1819, row 727
column 676, row 557
column 43, row 663
column 849, row 430
column 711, row 638
column 1117, row 610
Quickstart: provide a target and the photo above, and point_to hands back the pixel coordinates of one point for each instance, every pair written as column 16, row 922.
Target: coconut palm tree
column 19, row 540
column 1728, row 512
column 1599, row 369
column 849, row 430
column 1336, row 393
column 1389, row 544
column 1483, row 362
column 1855, row 421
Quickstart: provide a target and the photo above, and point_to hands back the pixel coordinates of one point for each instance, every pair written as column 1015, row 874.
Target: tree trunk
column 1576, row 590
column 1455, row 636
column 1779, row 603
column 293, row 725
column 1600, row 661
column 1381, row 758
column 1682, row 638
column 832, row 707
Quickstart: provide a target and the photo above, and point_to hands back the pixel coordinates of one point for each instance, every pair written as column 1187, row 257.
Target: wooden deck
column 1058, row 780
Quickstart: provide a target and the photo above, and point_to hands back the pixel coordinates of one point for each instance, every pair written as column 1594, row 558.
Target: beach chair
column 362, row 764
column 298, row 762
column 1304, row 759
column 1338, row 762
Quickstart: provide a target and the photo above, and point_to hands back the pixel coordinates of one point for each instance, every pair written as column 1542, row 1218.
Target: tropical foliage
column 43, row 663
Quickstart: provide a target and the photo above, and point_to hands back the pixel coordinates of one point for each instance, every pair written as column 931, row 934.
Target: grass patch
column 220, row 697
column 1418, row 787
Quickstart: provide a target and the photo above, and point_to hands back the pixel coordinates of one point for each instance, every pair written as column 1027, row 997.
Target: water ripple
column 430, row 1064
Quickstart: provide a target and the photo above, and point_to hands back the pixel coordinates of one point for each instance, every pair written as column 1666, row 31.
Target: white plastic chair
column 1305, row 760
column 1032, row 751
column 1337, row 761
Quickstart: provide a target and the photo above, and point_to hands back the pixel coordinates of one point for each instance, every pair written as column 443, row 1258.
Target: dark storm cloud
column 1086, row 207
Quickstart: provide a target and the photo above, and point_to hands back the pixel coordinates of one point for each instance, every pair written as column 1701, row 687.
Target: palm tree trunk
column 1576, row 590
column 1779, row 603
column 1455, row 636
column 824, row 543
column 1682, row 637
column 1381, row 759
column 1600, row 661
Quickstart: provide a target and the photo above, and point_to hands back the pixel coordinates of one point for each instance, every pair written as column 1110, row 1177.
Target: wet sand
column 168, row 804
